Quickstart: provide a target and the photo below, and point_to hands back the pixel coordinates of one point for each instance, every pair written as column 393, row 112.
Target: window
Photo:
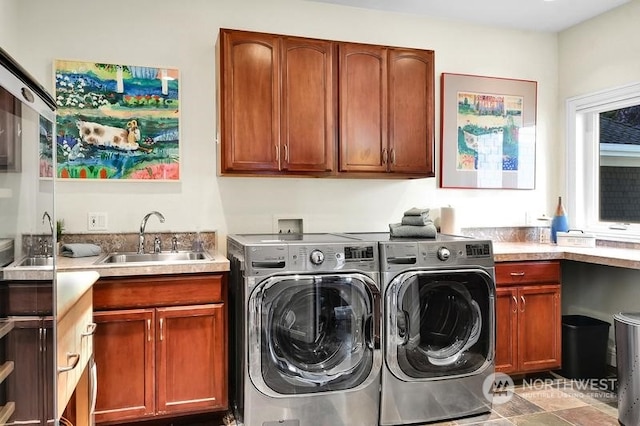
column 603, row 162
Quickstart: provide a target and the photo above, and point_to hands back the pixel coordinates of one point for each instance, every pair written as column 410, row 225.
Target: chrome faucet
column 44, row 243
column 143, row 225
column 46, row 216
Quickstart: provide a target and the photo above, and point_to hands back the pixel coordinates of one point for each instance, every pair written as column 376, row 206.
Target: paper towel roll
column 448, row 221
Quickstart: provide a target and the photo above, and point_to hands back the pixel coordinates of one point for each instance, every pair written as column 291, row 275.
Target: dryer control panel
column 262, row 260
column 401, row 255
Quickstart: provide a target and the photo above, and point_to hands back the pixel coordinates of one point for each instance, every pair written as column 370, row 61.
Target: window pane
column 619, row 131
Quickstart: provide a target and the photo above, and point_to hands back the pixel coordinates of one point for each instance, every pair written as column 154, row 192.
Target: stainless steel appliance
column 439, row 320
column 305, row 318
column 27, row 156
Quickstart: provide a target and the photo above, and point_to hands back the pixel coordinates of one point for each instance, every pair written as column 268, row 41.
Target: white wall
column 8, row 28
column 599, row 54
column 183, row 35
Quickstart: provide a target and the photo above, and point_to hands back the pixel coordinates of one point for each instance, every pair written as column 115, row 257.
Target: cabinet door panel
column 308, row 134
column 250, row 92
column 124, row 356
column 411, row 111
column 363, row 107
column 25, row 349
column 539, row 339
column 506, row 330
column 191, row 358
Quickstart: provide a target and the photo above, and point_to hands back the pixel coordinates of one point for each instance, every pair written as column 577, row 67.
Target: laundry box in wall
column 576, row 239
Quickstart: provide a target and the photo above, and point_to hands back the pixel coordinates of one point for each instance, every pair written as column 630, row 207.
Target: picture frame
column 488, row 132
column 117, row 122
column 45, row 148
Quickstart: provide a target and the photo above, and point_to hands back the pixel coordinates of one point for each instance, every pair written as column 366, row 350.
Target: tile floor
column 550, row 400
column 545, row 399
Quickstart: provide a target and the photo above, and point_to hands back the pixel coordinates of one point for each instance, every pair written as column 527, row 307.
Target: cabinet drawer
column 74, row 347
column 144, row 292
column 513, row 273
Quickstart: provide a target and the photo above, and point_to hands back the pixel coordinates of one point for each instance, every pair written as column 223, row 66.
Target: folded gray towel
column 80, row 250
column 416, row 212
column 409, row 231
column 419, row 220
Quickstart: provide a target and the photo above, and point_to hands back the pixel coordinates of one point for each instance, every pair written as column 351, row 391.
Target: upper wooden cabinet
column 299, row 106
column 386, row 110
column 411, row 111
column 363, row 108
column 276, row 97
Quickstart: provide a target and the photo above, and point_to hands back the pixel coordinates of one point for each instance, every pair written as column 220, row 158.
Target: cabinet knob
column 385, row 156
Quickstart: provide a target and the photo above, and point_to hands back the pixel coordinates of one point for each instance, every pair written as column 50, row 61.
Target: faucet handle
column 174, row 244
column 157, row 245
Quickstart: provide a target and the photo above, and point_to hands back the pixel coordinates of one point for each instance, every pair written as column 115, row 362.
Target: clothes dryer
column 439, row 328
column 305, row 330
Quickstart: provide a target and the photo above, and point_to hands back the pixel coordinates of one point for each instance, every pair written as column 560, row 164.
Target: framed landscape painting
column 488, row 133
column 117, row 122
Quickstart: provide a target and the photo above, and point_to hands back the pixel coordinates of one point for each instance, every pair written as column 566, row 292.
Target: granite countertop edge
column 217, row 263
column 601, row 255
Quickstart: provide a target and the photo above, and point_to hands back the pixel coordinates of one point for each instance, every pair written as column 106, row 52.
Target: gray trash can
column 627, row 330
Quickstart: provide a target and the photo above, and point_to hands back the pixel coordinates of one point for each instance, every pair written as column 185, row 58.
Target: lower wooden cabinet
column 155, row 359
column 29, row 346
column 30, row 386
column 528, row 317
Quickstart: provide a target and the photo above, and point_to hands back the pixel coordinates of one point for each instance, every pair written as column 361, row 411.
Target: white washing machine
column 305, row 330
column 439, row 327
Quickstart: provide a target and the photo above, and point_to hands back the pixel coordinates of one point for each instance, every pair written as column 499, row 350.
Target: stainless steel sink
column 36, row 261
column 164, row 257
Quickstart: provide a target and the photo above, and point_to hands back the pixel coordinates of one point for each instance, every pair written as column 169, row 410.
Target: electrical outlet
column 97, row 221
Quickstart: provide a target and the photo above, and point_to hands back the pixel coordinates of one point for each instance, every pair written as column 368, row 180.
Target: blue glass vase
column 559, row 222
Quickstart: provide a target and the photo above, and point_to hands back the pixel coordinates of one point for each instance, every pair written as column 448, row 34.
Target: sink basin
column 164, row 257
column 36, row 261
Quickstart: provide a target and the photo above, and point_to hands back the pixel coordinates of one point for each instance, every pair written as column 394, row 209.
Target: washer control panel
column 268, row 259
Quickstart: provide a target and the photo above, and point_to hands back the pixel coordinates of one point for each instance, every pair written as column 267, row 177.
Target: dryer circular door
column 439, row 323
column 311, row 334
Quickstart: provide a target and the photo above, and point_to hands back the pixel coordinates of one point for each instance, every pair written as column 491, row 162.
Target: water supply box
column 576, row 239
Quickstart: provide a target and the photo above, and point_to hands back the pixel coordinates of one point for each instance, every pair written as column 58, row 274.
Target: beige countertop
column 217, row 263
column 601, row 255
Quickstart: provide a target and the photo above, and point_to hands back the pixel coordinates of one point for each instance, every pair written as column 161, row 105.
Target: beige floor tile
column 517, row 406
column 587, row 416
column 607, row 409
column 552, row 399
column 539, row 419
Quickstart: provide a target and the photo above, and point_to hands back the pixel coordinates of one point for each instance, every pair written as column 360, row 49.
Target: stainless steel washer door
column 313, row 334
column 439, row 323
